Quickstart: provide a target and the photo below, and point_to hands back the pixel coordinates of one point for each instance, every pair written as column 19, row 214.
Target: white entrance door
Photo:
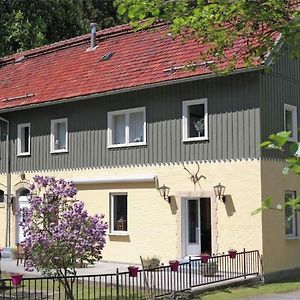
column 193, row 227
column 23, row 202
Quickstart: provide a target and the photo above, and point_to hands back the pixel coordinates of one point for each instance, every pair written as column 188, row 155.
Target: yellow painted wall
column 279, row 252
column 2, row 223
column 155, row 226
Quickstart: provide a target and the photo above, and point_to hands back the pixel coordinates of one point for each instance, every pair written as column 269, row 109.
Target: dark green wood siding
column 234, row 127
column 278, row 86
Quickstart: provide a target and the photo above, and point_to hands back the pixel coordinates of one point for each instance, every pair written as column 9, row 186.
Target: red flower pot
column 16, row 279
column 133, row 271
column 232, row 254
column 174, row 264
column 205, row 258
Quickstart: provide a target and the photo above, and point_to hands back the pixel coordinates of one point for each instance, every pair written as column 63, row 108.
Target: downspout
column 8, row 185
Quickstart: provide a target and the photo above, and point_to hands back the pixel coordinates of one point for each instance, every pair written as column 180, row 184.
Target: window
column 290, row 216
column 195, row 120
column 290, row 121
column 118, row 213
column 59, row 135
column 23, row 143
column 127, row 127
column 1, row 196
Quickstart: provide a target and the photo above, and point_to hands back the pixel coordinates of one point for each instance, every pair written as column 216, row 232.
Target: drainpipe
column 8, row 185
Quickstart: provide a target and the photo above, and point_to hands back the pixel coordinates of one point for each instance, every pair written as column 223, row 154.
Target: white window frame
column 125, row 112
column 294, row 234
column 19, row 141
column 52, row 142
column 185, row 126
column 294, row 134
column 111, row 214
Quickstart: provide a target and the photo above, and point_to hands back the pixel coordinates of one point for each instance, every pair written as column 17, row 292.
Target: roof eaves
column 125, row 90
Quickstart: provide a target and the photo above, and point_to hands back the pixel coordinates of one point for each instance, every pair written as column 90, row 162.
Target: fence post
column 244, row 260
column 261, row 265
column 117, row 284
column 190, row 272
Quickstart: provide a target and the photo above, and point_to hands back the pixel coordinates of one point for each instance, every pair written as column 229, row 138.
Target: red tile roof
column 65, row 69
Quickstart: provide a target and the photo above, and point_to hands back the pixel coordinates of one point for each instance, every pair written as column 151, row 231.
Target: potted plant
column 232, row 253
column 151, row 262
column 199, row 126
column 174, row 264
column 16, row 278
column 209, row 269
column 204, row 257
column 133, row 271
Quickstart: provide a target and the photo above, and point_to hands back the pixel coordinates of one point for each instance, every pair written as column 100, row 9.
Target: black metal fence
column 148, row 284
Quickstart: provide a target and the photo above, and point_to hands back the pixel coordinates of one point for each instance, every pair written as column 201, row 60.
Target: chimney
column 93, row 35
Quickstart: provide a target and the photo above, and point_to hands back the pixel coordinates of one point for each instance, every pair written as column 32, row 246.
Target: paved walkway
column 102, row 267
column 295, row 295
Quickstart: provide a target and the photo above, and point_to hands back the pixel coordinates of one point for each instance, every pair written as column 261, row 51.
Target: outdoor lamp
column 164, row 192
column 219, row 192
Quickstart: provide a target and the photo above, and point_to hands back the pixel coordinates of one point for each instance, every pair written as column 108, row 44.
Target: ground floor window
column 290, row 216
column 118, row 213
column 1, row 196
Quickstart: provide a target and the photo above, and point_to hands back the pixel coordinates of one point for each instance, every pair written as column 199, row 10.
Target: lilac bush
column 58, row 231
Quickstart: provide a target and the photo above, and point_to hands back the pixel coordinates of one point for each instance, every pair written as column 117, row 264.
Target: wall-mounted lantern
column 164, row 192
column 219, row 192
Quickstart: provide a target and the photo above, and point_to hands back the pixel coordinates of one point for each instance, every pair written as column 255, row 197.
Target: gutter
column 130, row 89
column 8, row 184
column 128, row 179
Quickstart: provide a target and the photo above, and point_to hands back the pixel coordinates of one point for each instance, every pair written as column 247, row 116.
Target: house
column 125, row 117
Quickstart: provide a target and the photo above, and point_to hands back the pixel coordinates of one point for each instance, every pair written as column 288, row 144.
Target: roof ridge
column 75, row 41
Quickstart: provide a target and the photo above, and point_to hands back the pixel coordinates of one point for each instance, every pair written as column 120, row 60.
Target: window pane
column 196, row 120
column 1, row 196
column 25, row 139
column 120, row 212
column 193, row 224
column 60, row 136
column 289, row 121
column 136, row 123
column 119, row 129
column 288, row 221
column 290, row 217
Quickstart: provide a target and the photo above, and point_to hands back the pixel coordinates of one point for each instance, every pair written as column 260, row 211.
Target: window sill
column 126, row 145
column 125, row 233
column 196, row 139
column 58, row 151
column 294, row 237
column 23, row 154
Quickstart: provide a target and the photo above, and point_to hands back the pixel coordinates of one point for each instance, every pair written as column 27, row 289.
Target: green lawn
column 243, row 292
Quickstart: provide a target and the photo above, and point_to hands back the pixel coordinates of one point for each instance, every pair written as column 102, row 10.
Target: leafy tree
column 58, row 231
column 28, row 24
column 279, row 141
column 103, row 12
column 219, row 23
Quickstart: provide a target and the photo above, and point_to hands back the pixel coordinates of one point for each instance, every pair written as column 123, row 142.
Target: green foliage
column 280, row 141
column 219, row 23
column 28, row 24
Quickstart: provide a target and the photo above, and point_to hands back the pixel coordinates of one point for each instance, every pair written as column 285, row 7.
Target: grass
column 255, row 290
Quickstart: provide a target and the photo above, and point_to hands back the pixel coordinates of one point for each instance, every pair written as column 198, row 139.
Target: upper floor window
column 290, row 121
column 194, row 120
column 118, row 213
column 59, row 135
column 23, row 143
column 127, row 127
column 290, row 216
